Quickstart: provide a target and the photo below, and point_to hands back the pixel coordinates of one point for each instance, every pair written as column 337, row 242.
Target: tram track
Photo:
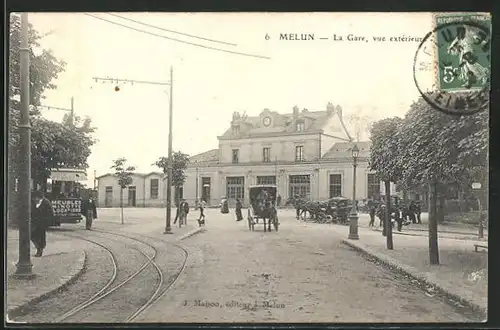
column 106, row 291
column 157, row 295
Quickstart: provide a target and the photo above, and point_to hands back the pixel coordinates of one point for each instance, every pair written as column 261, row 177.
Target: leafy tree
column 44, row 69
column 124, row 174
column 439, row 149
column 179, row 165
column 385, row 160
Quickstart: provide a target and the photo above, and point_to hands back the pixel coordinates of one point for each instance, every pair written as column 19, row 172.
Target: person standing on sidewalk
column 41, row 216
column 239, row 216
column 201, row 220
column 372, row 209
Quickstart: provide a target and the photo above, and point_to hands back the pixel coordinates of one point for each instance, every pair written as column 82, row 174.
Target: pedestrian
column 372, row 209
column 89, row 211
column 181, row 211
column 186, row 211
column 278, row 200
column 412, row 211
column 239, row 216
column 418, row 211
column 42, row 216
column 201, row 220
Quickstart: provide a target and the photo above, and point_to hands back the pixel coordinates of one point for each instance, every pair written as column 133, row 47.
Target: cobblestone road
column 299, row 274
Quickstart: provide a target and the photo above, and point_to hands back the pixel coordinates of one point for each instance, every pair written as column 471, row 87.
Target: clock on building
column 267, row 121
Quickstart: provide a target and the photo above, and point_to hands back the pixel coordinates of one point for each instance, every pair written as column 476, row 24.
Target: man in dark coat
column 42, row 215
column 89, row 211
column 239, row 216
column 180, row 209
column 278, row 200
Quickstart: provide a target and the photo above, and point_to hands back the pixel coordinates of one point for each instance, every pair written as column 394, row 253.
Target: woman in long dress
column 239, row 216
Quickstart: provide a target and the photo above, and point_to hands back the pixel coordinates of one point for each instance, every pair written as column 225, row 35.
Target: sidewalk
column 462, row 273
column 61, row 264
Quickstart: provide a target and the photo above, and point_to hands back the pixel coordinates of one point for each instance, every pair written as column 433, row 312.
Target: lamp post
column 353, row 216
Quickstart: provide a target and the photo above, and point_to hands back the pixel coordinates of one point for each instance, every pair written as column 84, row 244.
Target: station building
column 305, row 153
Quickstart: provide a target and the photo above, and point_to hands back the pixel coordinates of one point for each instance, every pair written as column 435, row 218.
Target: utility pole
column 197, row 184
column 72, row 113
column 168, row 229
column 24, row 265
column 95, row 179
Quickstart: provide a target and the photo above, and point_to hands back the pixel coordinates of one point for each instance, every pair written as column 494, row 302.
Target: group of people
column 42, row 217
column 400, row 214
column 183, row 210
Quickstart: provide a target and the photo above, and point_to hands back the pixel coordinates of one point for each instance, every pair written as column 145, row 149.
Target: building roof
column 343, row 149
column 144, row 175
column 205, row 157
column 284, row 124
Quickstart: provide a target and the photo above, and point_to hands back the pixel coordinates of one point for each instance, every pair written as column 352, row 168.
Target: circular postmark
column 451, row 68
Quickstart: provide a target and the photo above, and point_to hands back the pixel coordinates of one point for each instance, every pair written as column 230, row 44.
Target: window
column 300, row 126
column 266, row 179
column 236, row 156
column 300, row 185
column 335, row 185
column 235, row 187
column 236, row 130
column 299, row 153
column 154, row 187
column 266, row 155
column 373, row 186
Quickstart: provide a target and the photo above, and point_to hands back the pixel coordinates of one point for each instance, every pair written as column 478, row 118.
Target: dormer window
column 300, row 126
column 236, row 130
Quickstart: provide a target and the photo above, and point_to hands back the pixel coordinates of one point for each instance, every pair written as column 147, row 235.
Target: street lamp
column 353, row 216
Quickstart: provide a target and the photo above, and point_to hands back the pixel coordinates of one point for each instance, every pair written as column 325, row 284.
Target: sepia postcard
column 248, row 167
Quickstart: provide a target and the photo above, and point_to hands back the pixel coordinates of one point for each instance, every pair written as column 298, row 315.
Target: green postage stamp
column 463, row 51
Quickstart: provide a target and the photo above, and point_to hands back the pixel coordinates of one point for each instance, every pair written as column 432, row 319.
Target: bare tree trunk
column 121, row 203
column 433, row 228
column 387, row 218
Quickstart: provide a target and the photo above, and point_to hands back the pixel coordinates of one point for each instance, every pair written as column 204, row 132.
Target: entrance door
column 132, row 196
column 108, row 197
column 205, row 190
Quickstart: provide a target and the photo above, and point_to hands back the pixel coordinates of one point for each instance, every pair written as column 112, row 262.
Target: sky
column 366, row 78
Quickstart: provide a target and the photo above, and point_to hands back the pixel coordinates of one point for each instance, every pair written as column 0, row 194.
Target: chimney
column 330, row 109
column 305, row 110
column 295, row 111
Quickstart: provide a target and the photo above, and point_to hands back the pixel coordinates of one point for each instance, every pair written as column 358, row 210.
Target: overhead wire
column 171, row 31
column 178, row 40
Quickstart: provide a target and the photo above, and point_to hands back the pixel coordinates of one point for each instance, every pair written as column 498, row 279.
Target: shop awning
column 68, row 175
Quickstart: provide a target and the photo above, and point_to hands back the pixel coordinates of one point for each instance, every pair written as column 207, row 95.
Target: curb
column 191, row 233
column 76, row 272
column 415, row 274
column 466, row 237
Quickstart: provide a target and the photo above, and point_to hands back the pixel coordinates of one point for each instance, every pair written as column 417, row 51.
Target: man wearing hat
column 42, row 215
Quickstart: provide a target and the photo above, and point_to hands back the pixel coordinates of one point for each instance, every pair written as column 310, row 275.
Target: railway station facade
column 305, row 153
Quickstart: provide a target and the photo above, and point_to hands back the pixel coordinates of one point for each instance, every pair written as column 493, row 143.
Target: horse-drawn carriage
column 263, row 207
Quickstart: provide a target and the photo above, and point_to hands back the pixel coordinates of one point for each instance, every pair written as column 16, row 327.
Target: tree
column 439, row 149
column 384, row 159
column 44, row 69
column 124, row 174
column 179, row 165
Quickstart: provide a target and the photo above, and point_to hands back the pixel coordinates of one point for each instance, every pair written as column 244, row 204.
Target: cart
column 263, row 207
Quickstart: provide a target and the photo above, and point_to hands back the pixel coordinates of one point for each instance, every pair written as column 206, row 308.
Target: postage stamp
column 463, row 51
column 452, row 63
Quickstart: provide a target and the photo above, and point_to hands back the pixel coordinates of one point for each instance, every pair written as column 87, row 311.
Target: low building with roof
column 305, row 153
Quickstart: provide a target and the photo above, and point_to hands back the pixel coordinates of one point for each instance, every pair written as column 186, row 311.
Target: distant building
column 305, row 153
column 146, row 190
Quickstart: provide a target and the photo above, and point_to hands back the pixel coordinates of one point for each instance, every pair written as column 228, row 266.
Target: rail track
column 161, row 288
